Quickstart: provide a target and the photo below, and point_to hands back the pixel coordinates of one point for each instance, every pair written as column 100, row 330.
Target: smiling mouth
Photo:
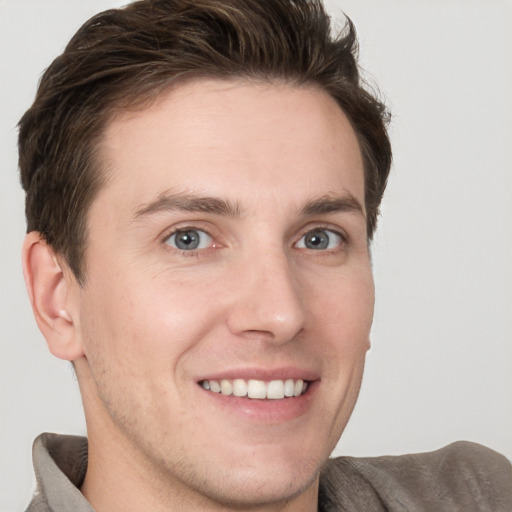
column 257, row 389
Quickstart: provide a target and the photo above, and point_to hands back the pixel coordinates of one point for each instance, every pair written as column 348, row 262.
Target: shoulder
column 461, row 476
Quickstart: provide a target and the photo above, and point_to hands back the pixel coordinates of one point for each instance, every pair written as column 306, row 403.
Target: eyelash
column 205, row 251
column 326, row 227
column 193, row 252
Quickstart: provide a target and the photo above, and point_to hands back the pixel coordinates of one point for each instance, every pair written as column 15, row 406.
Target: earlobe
column 49, row 291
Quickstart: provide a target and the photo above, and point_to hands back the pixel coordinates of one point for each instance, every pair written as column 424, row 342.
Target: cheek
column 343, row 304
column 154, row 319
column 139, row 332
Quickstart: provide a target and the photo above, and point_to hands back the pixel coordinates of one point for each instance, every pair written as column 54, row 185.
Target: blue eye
column 320, row 240
column 189, row 240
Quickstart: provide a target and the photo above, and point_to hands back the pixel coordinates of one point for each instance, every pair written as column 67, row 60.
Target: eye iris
column 187, row 240
column 317, row 240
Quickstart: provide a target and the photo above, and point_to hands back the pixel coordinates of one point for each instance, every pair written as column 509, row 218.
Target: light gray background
column 441, row 363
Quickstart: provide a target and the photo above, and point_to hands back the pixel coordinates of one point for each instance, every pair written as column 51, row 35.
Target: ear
column 49, row 289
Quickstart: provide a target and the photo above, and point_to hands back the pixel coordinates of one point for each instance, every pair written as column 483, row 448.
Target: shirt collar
column 60, row 463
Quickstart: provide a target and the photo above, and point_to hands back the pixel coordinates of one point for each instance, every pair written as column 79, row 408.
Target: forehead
column 225, row 138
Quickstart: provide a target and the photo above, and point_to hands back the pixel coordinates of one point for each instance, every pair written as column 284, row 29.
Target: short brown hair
column 125, row 56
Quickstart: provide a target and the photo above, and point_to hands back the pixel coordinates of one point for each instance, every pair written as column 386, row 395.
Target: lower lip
column 264, row 411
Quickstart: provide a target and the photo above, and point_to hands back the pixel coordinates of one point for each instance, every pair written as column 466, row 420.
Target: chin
column 249, row 489
column 260, row 478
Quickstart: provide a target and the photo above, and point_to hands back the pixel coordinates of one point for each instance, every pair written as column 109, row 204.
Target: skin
column 151, row 320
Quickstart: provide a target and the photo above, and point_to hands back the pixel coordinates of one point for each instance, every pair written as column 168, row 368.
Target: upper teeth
column 275, row 389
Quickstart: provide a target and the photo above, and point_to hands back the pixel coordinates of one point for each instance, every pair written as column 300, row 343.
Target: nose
column 267, row 300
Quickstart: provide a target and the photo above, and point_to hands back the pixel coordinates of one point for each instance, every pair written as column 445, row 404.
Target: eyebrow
column 333, row 204
column 205, row 204
column 189, row 203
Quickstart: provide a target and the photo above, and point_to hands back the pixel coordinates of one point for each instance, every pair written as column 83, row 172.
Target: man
column 203, row 180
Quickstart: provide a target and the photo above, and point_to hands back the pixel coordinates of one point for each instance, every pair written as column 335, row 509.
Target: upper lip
column 265, row 374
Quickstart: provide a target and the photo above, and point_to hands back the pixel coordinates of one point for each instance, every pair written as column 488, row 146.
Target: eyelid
column 323, row 227
column 199, row 226
column 191, row 226
column 201, row 233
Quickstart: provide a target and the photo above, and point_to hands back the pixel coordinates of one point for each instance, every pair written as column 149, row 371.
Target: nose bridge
column 269, row 297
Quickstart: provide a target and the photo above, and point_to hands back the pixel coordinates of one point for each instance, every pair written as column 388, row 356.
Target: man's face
column 228, row 248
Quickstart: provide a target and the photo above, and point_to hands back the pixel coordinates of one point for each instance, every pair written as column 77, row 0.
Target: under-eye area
column 257, row 389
